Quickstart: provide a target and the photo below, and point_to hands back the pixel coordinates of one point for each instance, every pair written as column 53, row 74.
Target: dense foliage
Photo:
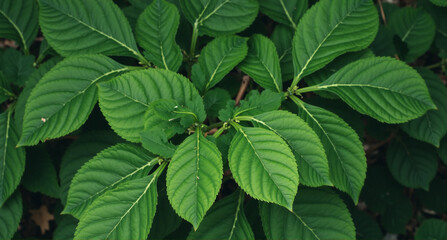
column 223, row 119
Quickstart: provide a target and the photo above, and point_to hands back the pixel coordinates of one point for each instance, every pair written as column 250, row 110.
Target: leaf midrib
column 94, row 29
column 305, row 225
column 25, row 47
column 4, row 154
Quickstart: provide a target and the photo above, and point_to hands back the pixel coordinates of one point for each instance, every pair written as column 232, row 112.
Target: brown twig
column 380, row 144
column 242, row 88
column 381, row 11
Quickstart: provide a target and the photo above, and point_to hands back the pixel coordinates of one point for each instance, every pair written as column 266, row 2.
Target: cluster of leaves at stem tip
column 165, row 73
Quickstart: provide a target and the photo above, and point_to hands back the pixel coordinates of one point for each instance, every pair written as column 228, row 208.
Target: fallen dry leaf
column 42, row 218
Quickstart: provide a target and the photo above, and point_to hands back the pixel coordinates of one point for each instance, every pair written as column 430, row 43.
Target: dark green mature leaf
column 217, row 59
column 220, row 17
column 317, row 214
column 10, row 215
column 262, row 63
column 366, row 227
column 16, row 67
column 287, row 12
column 63, row 99
column 264, row 166
column 155, row 32
column 225, row 220
column 105, row 171
column 431, row 127
column 416, row 28
column 383, row 88
column 412, row 163
column 215, row 100
column 383, row 44
column 134, row 205
column 79, row 152
column 75, row 27
column 347, row 161
column 436, row 198
column 12, row 159
column 18, row 21
column 282, row 38
column 40, row 173
column 311, row 159
column 66, row 228
column 397, row 215
column 432, row 229
column 29, row 86
column 349, row 25
column 166, row 220
column 442, row 150
column 194, row 177
column 125, row 99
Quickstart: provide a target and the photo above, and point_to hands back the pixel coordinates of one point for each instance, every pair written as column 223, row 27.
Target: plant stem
column 160, row 169
column 439, row 64
column 133, row 68
column 308, row 89
column 243, row 118
column 192, row 51
column 220, row 131
column 214, row 125
column 297, row 101
column 382, row 13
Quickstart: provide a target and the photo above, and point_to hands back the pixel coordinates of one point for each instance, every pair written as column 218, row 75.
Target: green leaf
column 431, row 229
column 317, row 214
column 262, row 63
column 16, row 67
column 215, row 100
column 397, row 215
column 264, row 166
column 166, row 220
column 155, row 32
column 220, row 17
column 66, row 228
column 75, row 27
column 12, row 159
column 125, row 99
column 436, row 198
column 440, row 3
column 366, row 227
column 10, row 215
column 125, row 212
column 194, row 177
column 431, row 127
column 40, row 173
column 287, row 12
column 330, row 29
column 311, row 159
column 228, row 214
column 79, row 152
column 63, row 99
column 347, row 161
column 383, row 88
column 217, row 59
column 442, row 150
column 412, row 163
column 416, row 28
column 18, row 21
column 105, row 171
column 282, row 38
column 29, row 86
column 156, row 142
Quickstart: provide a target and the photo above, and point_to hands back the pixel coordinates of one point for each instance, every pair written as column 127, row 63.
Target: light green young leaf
column 431, row 229
column 228, row 214
column 220, row 17
column 79, row 152
column 262, row 63
column 125, row 99
column 19, row 21
column 441, row 3
column 217, row 59
column 381, row 87
column 156, row 141
column 309, row 153
column 12, row 159
column 10, row 215
column 64, row 98
column 264, row 166
column 282, row 38
column 105, row 171
column 318, row 214
column 432, row 126
column 330, row 29
column 155, row 32
column 75, row 27
column 287, row 12
column 125, row 212
column 347, row 161
column 194, row 177
column 412, row 163
column 416, row 28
